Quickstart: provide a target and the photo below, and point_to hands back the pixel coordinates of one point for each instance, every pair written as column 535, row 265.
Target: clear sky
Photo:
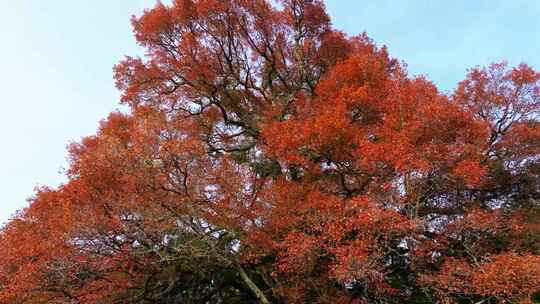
column 56, row 58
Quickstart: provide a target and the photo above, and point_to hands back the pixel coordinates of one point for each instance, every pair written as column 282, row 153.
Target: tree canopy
column 267, row 157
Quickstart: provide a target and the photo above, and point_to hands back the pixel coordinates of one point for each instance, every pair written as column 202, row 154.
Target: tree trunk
column 258, row 293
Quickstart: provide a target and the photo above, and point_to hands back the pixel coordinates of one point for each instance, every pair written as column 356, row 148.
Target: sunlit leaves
column 267, row 157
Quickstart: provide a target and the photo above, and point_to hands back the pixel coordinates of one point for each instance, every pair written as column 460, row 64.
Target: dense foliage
column 268, row 158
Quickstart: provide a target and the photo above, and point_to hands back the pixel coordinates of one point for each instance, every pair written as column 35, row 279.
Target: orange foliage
column 267, row 157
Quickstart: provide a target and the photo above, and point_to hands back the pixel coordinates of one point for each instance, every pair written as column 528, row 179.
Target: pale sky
column 56, row 59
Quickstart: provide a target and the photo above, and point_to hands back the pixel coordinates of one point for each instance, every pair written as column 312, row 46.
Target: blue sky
column 56, row 59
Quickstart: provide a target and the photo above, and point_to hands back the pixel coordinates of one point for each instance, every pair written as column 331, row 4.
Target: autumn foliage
column 269, row 158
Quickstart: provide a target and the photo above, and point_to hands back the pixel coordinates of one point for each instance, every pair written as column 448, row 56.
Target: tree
column 268, row 158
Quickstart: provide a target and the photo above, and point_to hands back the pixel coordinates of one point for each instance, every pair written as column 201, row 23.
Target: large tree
column 268, row 158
